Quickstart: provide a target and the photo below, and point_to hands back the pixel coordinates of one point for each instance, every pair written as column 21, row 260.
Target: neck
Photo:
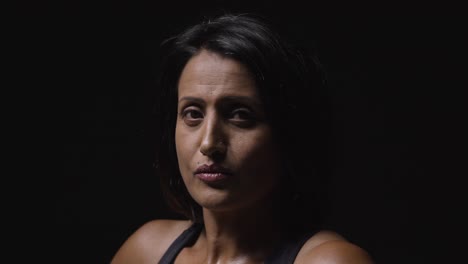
column 244, row 234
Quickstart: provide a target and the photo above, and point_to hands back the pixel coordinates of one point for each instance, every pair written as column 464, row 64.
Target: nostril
column 214, row 149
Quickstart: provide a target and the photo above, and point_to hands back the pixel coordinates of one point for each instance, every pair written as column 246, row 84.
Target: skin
column 221, row 121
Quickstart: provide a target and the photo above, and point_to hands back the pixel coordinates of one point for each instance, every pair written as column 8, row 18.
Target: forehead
column 210, row 73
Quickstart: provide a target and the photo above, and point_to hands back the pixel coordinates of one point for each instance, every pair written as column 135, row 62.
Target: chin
column 216, row 200
column 224, row 201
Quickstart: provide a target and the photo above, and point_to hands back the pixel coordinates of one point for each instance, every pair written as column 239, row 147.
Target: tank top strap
column 287, row 251
column 187, row 238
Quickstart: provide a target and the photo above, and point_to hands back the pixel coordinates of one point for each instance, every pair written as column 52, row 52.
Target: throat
column 229, row 239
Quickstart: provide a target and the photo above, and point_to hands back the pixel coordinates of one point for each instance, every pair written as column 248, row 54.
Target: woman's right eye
column 192, row 116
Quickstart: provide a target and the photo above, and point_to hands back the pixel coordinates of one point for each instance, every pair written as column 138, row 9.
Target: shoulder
column 149, row 242
column 328, row 247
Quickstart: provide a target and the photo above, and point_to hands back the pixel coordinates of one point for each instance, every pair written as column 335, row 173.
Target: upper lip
column 213, row 168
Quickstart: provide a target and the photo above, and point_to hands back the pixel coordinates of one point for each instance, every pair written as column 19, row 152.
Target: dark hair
column 291, row 86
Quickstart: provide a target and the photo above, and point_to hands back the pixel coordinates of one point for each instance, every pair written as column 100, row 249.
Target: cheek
column 258, row 153
column 182, row 144
column 178, row 139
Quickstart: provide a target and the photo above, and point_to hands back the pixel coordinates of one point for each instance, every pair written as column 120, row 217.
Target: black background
column 399, row 146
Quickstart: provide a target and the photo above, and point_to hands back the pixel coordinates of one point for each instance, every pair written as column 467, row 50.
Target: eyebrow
column 225, row 99
column 192, row 99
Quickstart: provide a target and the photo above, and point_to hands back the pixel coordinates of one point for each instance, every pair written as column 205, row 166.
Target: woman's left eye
column 242, row 118
column 241, row 115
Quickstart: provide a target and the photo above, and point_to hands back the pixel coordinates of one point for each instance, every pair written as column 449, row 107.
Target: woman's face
column 224, row 145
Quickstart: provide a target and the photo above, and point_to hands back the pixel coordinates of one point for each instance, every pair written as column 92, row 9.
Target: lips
column 212, row 173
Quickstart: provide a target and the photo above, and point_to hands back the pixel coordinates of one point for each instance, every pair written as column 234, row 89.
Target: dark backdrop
column 398, row 145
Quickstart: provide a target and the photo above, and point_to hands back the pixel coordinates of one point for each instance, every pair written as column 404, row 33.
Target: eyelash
column 245, row 112
column 187, row 111
column 244, row 115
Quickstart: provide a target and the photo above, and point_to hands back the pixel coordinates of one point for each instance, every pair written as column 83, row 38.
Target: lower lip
column 212, row 177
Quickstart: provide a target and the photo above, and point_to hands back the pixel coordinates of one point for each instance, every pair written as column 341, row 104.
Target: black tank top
column 285, row 254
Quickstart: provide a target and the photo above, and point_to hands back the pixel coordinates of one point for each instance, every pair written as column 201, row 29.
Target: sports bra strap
column 187, row 238
column 286, row 252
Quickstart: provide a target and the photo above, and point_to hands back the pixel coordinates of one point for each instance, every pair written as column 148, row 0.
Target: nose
column 213, row 142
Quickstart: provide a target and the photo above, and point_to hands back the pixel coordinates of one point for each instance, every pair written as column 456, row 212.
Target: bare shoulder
column 149, row 242
column 328, row 247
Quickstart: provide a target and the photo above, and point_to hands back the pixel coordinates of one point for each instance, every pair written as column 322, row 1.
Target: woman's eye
column 241, row 115
column 242, row 118
column 192, row 116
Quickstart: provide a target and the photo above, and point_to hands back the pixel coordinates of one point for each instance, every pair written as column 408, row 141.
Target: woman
column 235, row 103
